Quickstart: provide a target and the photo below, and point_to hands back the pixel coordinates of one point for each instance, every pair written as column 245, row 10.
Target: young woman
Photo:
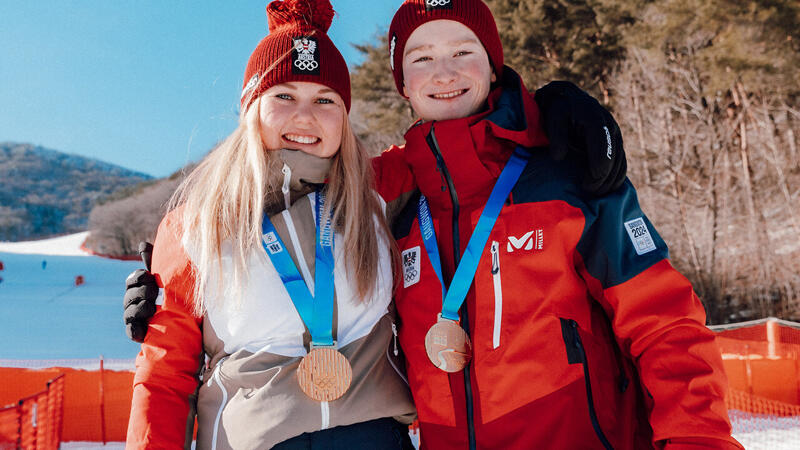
column 276, row 265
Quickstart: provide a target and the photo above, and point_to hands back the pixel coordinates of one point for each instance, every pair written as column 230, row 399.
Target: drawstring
column 287, row 177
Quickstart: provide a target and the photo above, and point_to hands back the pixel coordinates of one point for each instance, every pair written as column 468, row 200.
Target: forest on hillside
column 707, row 93
column 45, row 192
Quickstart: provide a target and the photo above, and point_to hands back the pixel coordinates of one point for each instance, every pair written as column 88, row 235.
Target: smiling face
column 446, row 71
column 303, row 116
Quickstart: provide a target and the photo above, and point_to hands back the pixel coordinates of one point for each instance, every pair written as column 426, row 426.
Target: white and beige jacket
column 235, row 367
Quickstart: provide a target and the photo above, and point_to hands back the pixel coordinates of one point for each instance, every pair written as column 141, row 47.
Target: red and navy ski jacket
column 583, row 334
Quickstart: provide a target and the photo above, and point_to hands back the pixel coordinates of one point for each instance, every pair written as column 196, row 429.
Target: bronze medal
column 448, row 346
column 324, row 374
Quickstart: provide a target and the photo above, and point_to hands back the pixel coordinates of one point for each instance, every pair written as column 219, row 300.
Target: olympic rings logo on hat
column 437, row 3
column 306, row 65
column 304, row 55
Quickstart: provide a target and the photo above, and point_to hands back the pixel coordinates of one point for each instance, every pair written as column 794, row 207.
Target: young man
column 532, row 315
column 565, row 325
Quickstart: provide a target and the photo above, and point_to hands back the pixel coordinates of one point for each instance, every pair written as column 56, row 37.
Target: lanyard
column 315, row 311
column 454, row 296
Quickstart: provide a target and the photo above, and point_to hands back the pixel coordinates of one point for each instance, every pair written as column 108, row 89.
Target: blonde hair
column 225, row 196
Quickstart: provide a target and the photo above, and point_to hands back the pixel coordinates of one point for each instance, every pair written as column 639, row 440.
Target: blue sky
column 148, row 85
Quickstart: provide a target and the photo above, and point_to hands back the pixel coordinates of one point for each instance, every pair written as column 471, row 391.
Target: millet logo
column 532, row 240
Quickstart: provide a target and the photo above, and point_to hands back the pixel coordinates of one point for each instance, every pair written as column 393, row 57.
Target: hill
column 44, row 192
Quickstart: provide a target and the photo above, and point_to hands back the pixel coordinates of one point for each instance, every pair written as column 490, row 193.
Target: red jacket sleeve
column 393, row 177
column 167, row 367
column 658, row 321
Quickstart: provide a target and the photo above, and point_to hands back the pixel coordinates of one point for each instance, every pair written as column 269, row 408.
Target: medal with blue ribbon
column 324, row 373
column 446, row 343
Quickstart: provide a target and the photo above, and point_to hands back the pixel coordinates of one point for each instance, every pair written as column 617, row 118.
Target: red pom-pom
column 317, row 13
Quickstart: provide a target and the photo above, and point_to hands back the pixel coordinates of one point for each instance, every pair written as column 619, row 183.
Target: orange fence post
column 59, row 403
column 27, row 427
column 102, row 405
column 748, row 369
column 51, row 430
column 33, row 422
column 9, row 426
column 19, row 424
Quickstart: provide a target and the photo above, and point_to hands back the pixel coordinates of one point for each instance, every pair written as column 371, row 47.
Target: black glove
column 580, row 128
column 141, row 291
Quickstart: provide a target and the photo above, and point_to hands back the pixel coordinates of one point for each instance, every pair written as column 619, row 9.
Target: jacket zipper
column 576, row 341
column 215, row 377
column 434, row 146
column 287, row 217
column 498, row 294
column 394, row 339
column 396, row 353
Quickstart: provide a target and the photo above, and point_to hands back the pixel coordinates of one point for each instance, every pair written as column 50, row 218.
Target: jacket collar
column 474, row 149
column 298, row 171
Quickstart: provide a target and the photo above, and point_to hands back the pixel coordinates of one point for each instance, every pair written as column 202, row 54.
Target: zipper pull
column 394, row 332
column 576, row 335
column 214, row 370
column 442, row 179
column 287, row 177
column 495, row 258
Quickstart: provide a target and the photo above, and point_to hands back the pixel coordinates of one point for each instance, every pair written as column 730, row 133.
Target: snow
column 765, row 432
column 46, row 316
column 69, row 245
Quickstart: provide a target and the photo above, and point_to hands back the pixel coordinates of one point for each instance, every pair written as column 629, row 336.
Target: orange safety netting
column 745, row 402
column 763, row 330
column 761, row 358
column 34, row 422
column 96, row 404
column 763, row 369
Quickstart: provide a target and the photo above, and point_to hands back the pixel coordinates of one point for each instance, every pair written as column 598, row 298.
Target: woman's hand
column 139, row 302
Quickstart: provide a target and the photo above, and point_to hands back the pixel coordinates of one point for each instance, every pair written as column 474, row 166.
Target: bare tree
column 118, row 226
column 719, row 176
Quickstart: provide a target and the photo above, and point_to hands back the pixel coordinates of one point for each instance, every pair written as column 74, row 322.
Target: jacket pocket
column 576, row 354
column 215, row 379
column 498, row 294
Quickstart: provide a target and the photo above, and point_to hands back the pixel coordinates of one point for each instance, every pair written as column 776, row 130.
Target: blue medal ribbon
column 316, row 311
column 454, row 296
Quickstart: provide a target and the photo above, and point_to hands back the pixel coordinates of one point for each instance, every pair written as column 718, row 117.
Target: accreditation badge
column 324, row 374
column 448, row 345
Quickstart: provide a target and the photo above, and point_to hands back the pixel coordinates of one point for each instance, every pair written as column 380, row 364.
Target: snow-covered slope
column 45, row 315
column 69, row 245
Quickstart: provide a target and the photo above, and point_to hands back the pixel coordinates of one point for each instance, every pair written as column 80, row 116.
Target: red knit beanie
column 296, row 49
column 413, row 13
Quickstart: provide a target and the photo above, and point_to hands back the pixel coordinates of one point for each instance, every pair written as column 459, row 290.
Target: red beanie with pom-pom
column 413, row 13
column 296, row 49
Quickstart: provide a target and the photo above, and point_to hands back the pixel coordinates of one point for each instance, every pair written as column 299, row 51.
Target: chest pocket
column 525, row 273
